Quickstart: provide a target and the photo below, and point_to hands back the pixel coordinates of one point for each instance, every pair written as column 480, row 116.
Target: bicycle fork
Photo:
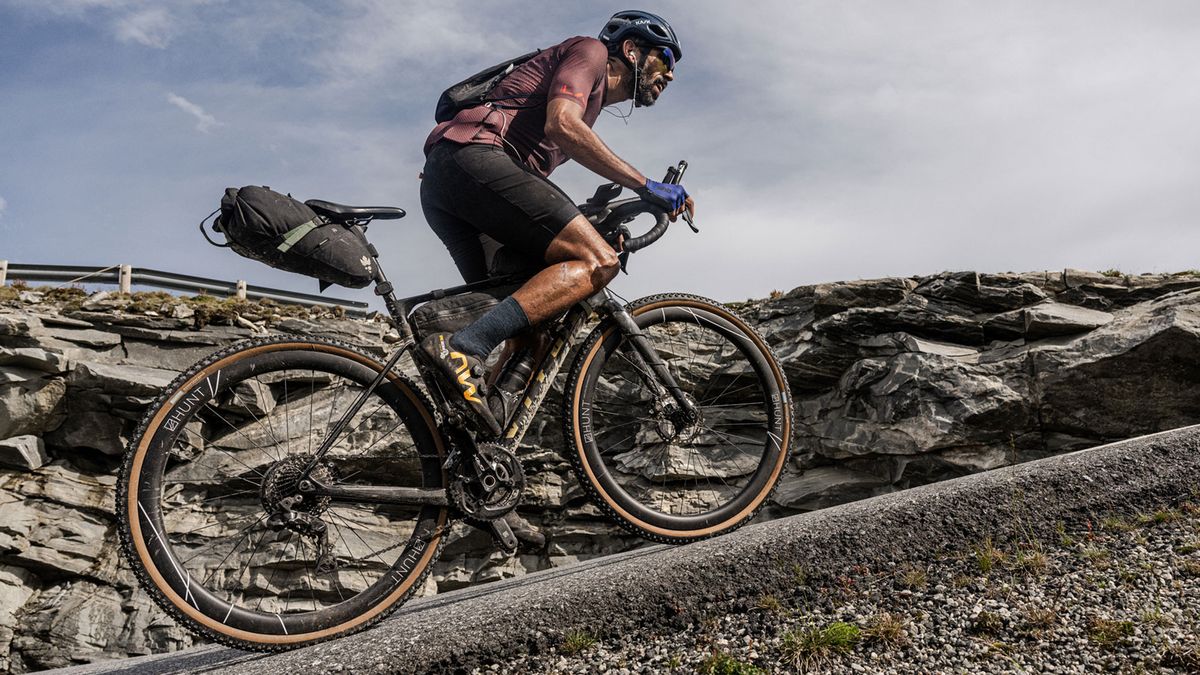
column 647, row 361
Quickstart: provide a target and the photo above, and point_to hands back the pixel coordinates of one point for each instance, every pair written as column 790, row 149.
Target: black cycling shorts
column 476, row 189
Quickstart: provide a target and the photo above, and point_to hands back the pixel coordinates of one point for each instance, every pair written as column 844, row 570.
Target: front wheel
column 662, row 474
column 214, row 518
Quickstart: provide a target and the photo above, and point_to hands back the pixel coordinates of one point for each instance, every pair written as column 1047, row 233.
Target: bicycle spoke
column 214, row 498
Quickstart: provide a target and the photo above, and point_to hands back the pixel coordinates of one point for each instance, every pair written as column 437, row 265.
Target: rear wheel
column 664, row 476
column 217, row 527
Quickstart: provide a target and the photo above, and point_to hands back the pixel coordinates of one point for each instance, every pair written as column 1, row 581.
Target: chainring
column 489, row 484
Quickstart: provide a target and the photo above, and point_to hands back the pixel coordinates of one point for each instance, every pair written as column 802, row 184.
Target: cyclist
column 486, row 180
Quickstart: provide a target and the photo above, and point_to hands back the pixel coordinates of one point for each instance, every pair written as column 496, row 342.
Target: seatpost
column 397, row 309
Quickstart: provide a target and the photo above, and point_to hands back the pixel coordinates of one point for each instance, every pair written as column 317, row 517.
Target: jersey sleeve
column 580, row 73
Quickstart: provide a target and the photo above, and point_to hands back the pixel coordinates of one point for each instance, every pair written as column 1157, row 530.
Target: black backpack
column 272, row 228
column 474, row 90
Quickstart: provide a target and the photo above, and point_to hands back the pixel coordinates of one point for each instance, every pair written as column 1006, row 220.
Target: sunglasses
column 667, row 58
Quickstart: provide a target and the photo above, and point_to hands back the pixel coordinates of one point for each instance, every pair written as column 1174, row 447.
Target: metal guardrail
column 126, row 276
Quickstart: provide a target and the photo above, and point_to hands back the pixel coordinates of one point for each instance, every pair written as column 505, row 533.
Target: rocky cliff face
column 897, row 382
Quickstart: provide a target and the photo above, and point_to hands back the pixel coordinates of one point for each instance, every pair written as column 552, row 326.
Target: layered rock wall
column 897, row 382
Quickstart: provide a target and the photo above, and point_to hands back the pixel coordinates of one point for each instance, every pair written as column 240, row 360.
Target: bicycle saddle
column 340, row 212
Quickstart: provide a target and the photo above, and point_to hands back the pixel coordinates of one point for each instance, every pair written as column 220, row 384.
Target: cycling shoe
column 464, row 376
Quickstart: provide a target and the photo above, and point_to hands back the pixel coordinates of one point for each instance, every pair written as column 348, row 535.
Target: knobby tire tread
column 568, row 417
column 128, row 548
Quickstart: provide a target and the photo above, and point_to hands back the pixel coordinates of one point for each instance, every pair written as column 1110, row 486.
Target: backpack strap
column 294, row 235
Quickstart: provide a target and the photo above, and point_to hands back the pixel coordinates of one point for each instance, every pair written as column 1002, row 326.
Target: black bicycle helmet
column 642, row 27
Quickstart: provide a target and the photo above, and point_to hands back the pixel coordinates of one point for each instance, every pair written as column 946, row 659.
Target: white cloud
column 204, row 121
column 153, row 27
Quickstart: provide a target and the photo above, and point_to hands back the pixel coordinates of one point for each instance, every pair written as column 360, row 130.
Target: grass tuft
column 1040, row 619
column 577, row 641
column 887, row 629
column 987, row 556
column 987, row 623
column 808, row 648
column 913, row 578
column 722, row 663
column 769, row 603
column 1107, row 632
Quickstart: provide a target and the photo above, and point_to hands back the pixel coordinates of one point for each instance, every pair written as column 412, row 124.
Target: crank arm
column 376, row 494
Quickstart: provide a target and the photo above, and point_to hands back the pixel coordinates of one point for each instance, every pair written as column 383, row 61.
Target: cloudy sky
column 827, row 140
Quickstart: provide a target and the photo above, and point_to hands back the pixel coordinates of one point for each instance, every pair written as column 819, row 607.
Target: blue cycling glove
column 666, row 195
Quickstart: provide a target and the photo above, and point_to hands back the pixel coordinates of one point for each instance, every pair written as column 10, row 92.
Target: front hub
column 674, row 423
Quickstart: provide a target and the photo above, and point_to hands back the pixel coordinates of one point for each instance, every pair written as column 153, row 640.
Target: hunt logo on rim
column 185, row 404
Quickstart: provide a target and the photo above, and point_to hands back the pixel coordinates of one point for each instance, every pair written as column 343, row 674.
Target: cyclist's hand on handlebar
column 689, row 205
column 667, row 196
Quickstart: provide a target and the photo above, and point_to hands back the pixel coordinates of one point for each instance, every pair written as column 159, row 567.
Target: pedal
column 503, row 535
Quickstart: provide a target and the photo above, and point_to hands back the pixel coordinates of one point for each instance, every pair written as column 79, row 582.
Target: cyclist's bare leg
column 580, row 264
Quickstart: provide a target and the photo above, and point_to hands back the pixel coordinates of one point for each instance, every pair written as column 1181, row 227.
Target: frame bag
column 272, row 228
column 450, row 314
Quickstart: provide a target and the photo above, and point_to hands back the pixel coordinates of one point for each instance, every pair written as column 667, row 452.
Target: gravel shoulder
column 1121, row 594
column 1058, row 573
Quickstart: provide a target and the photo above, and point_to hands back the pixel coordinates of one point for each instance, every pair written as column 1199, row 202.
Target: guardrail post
column 241, row 289
column 126, row 278
column 3, row 271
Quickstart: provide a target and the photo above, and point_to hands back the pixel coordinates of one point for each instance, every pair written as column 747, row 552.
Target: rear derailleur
column 486, row 486
column 305, row 525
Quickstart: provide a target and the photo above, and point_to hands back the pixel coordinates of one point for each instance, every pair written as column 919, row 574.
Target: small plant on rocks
column 887, row 629
column 987, row 556
column 1116, row 524
column 987, row 623
column 1156, row 617
column 577, row 641
column 1160, row 517
column 811, row 647
column 1064, row 539
column 1188, row 549
column 769, row 603
column 1107, row 632
column 1031, row 562
column 722, row 663
column 914, row 578
column 1098, row 557
column 1185, row 657
column 1040, row 619
column 799, row 575
column 1190, row 568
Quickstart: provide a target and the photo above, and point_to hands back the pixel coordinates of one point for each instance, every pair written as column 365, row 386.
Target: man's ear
column 629, row 52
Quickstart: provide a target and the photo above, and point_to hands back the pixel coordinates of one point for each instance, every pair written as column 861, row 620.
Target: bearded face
column 650, row 86
column 653, row 77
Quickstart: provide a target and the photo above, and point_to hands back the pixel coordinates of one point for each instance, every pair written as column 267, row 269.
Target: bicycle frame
column 563, row 331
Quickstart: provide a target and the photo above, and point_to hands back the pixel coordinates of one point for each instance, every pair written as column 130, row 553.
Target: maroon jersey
column 575, row 69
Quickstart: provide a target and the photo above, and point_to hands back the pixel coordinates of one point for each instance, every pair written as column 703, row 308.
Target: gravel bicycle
column 287, row 490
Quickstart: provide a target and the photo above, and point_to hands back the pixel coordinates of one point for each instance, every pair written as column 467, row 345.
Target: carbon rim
column 197, row 485
column 681, row 481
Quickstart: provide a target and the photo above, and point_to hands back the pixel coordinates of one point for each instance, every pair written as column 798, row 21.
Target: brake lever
column 675, row 175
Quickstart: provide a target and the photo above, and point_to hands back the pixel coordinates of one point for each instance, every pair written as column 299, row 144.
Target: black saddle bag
column 275, row 229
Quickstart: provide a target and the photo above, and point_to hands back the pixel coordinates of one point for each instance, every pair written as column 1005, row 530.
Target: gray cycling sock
column 500, row 323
